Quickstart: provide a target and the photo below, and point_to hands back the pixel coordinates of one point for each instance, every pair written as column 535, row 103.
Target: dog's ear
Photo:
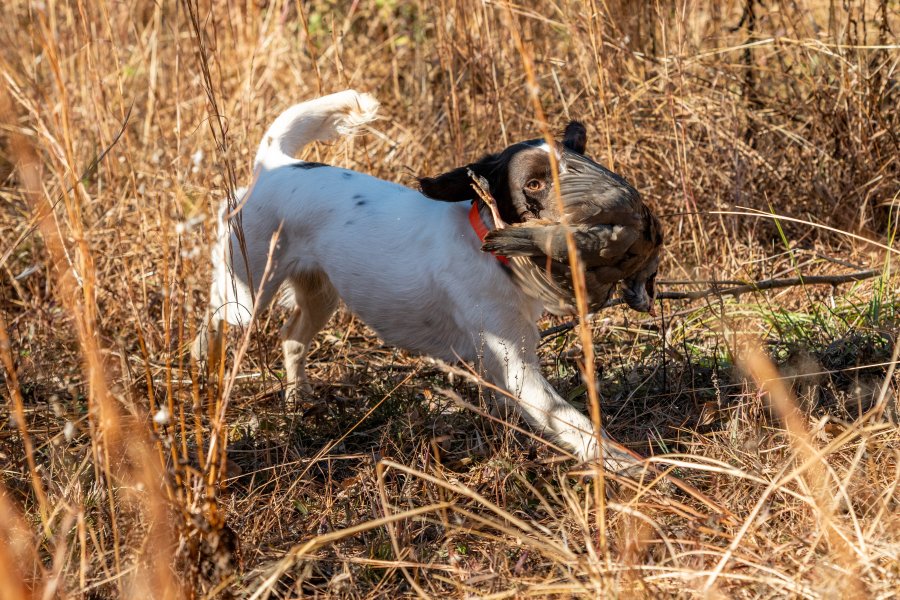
column 575, row 137
column 456, row 185
column 452, row 186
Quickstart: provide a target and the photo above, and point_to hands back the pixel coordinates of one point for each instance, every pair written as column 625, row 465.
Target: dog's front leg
column 514, row 367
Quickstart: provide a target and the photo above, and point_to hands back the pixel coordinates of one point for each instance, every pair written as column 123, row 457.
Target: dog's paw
column 299, row 394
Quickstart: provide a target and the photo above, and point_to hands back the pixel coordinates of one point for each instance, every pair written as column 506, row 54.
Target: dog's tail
column 321, row 119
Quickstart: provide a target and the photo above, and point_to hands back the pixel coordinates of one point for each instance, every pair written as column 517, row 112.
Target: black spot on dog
column 348, row 223
column 361, row 203
column 357, row 196
column 346, row 175
column 308, row 165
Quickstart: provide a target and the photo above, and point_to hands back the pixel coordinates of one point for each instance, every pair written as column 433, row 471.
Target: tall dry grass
column 764, row 133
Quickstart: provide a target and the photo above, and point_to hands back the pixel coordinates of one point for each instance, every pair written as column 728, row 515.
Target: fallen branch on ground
column 757, row 286
column 768, row 284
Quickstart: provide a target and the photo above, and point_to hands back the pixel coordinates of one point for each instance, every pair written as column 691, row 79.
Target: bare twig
column 768, row 284
column 757, row 286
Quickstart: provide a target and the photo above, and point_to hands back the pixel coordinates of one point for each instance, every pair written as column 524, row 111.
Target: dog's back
column 407, row 266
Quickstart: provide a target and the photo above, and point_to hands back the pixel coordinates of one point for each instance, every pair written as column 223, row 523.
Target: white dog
column 409, row 266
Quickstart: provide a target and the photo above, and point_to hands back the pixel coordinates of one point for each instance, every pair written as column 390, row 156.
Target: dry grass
column 781, row 407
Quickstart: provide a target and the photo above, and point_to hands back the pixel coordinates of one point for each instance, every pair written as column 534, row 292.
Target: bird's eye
column 534, row 185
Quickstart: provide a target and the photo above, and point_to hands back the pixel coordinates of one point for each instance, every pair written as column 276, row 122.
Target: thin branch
column 768, row 284
column 757, row 286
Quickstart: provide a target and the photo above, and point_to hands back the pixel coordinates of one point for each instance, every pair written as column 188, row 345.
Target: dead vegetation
column 765, row 135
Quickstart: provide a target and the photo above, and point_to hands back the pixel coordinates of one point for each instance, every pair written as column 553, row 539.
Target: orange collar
column 481, row 229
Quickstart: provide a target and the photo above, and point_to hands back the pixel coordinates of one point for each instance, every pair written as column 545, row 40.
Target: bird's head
column 639, row 288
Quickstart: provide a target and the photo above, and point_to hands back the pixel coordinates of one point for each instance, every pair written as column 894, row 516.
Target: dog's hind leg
column 316, row 301
column 231, row 299
column 208, row 344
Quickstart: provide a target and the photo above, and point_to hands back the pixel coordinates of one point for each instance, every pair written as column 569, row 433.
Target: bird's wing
column 550, row 287
column 600, row 245
column 593, row 195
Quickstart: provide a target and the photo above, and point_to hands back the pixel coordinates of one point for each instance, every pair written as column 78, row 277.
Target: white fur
column 408, row 266
column 322, row 119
